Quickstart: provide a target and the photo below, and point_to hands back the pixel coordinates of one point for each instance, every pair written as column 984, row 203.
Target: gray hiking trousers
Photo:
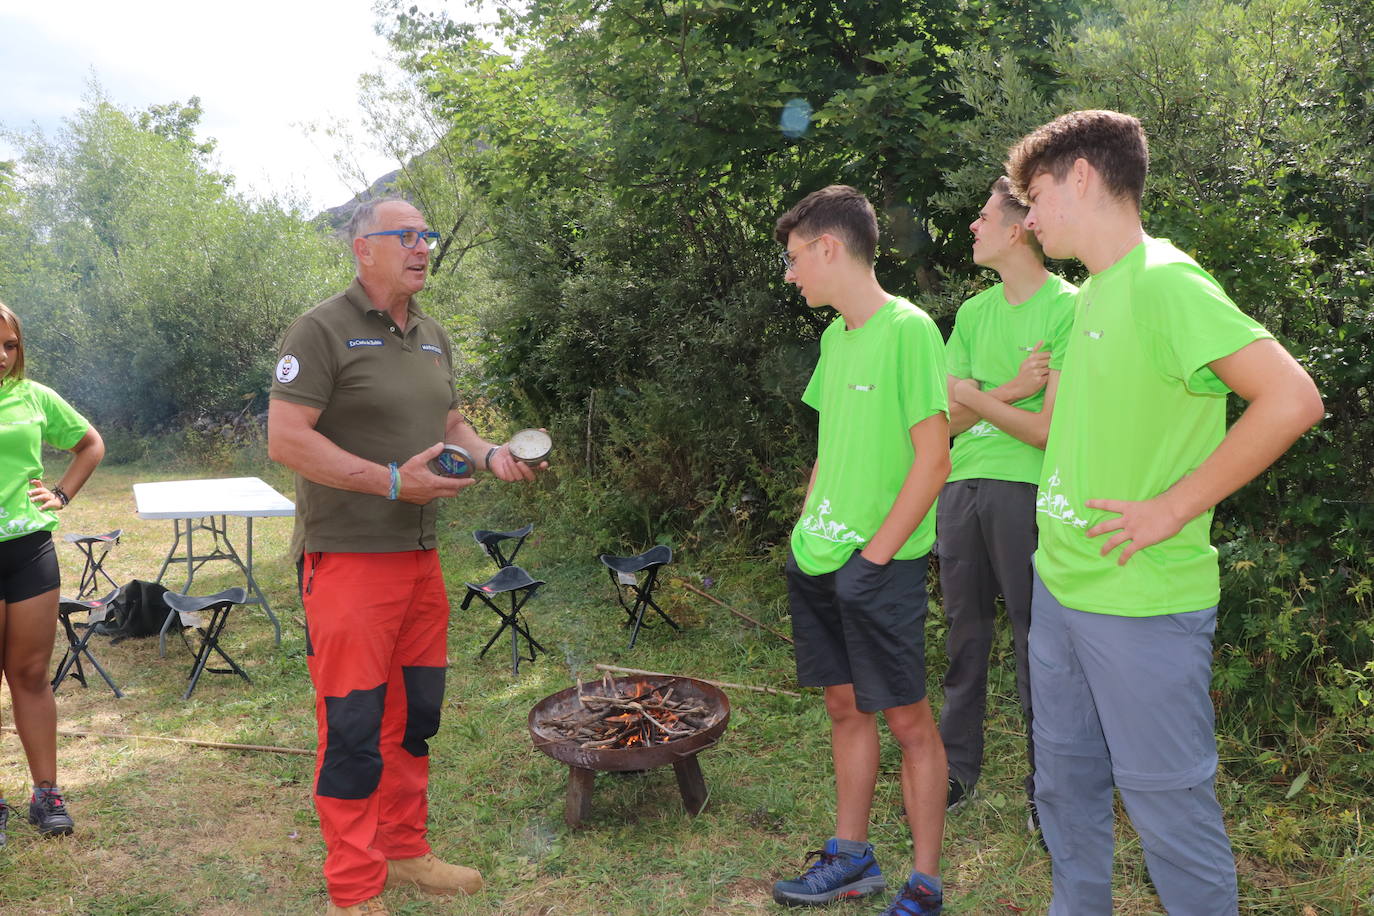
column 986, row 536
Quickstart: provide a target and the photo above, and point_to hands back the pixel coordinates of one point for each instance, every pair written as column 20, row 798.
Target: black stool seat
column 505, row 580
column 94, row 538
column 187, row 605
column 656, row 556
column 623, row 572
column 77, row 646
column 189, row 609
column 95, row 548
column 490, row 541
column 519, row 587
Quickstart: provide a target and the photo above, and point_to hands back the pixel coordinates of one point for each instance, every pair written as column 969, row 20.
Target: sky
column 262, row 69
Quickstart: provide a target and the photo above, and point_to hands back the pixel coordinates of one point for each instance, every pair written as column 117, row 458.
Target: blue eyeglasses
column 410, row 237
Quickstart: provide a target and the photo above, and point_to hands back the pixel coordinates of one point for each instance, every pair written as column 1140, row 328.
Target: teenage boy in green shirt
column 856, row 580
column 1127, row 582
column 1003, row 358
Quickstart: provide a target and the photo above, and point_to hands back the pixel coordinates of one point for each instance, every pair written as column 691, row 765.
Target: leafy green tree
column 1259, row 118
column 151, row 293
column 633, row 158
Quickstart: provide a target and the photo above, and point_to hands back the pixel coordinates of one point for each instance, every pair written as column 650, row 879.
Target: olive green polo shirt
column 384, row 394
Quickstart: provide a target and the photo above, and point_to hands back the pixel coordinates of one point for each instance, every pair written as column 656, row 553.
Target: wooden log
column 738, row 613
column 613, row 669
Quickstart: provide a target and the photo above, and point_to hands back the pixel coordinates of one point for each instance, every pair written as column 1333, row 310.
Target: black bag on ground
column 138, row 610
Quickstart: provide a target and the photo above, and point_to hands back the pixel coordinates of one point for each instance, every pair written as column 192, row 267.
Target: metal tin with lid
column 453, row 461
column 530, row 446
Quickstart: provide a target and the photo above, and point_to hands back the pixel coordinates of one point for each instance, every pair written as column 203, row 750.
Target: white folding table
column 205, row 505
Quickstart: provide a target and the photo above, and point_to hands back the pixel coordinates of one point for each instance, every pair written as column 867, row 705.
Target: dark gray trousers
column 985, row 538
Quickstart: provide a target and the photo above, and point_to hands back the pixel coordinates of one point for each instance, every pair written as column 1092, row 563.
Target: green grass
column 172, row 829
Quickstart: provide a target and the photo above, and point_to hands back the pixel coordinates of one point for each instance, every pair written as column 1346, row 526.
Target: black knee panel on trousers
column 424, row 697
column 352, row 765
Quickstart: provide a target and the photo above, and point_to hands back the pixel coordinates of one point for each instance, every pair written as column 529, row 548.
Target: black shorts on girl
column 862, row 624
column 28, row 567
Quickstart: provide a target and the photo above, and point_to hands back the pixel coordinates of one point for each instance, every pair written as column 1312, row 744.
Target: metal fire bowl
column 630, row 758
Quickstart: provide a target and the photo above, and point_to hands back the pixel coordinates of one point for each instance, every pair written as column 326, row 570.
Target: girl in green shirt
column 30, row 415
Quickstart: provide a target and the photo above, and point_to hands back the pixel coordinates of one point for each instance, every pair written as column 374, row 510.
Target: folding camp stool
column 190, row 610
column 490, row 541
column 77, row 646
column 95, row 547
column 624, row 577
column 519, row 587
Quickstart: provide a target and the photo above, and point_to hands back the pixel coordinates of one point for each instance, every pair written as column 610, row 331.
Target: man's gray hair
column 364, row 218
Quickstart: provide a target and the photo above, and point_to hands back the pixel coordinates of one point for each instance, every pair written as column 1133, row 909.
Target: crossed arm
column 969, row 403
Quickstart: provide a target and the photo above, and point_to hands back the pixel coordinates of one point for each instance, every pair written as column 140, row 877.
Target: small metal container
column 452, row 462
column 530, row 446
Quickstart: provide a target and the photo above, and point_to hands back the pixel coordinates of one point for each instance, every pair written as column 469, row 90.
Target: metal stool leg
column 509, row 620
column 644, row 599
column 71, row 659
column 209, row 642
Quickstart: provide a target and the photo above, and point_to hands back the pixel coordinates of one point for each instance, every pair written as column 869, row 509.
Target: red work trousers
column 377, row 626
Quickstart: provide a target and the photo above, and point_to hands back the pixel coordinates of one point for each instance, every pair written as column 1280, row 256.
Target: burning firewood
column 648, row 715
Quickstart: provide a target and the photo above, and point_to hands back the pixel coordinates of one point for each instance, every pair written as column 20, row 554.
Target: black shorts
column 28, row 567
column 864, row 625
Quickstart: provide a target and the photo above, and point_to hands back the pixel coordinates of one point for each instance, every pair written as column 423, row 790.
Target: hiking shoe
column 48, row 811
column 833, row 876
column 920, row 896
column 433, row 875
column 373, row 906
column 4, row 820
column 958, row 794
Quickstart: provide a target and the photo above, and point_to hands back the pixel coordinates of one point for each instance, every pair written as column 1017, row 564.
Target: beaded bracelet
column 61, row 494
column 395, row 482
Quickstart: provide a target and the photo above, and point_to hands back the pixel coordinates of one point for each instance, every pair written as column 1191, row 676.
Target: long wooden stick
column 738, row 613
column 264, row 748
column 616, row 670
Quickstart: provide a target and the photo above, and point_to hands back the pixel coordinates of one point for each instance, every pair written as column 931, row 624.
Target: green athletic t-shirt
column 871, row 385
column 30, row 414
column 990, row 340
column 1137, row 409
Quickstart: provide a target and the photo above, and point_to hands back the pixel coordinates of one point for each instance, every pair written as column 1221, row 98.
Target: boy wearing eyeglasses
column 856, row 578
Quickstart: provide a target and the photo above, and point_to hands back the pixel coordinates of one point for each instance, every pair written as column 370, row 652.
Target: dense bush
column 1260, row 123
column 632, row 159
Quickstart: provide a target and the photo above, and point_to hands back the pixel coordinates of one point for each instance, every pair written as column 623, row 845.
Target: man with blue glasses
column 362, row 399
column 409, row 238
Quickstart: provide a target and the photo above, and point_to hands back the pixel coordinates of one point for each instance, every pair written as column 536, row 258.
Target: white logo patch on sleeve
column 288, row 367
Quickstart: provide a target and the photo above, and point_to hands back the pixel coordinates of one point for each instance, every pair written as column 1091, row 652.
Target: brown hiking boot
column 433, row 875
column 372, row 906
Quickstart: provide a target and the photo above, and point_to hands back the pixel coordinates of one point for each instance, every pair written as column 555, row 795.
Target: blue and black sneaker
column 920, row 896
column 833, row 876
